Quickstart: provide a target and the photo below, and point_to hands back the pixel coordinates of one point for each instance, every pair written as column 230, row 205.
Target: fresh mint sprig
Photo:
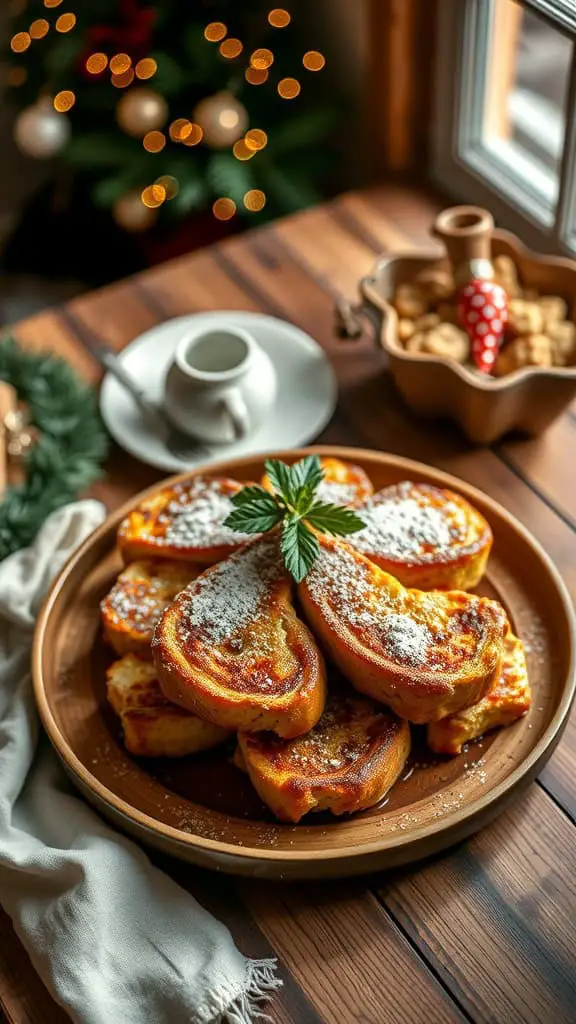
column 293, row 506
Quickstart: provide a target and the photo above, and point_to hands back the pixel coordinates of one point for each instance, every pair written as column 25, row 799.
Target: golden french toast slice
column 426, row 655
column 346, row 763
column 344, row 483
column 232, row 649
column 152, row 726
column 508, row 700
column 183, row 522
column 427, row 537
column 134, row 605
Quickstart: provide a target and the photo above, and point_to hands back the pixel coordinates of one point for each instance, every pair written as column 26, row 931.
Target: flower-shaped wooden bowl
column 485, row 407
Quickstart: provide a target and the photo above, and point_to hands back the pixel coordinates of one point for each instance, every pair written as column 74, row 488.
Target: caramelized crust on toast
column 508, row 700
column 425, row 536
column 183, row 522
column 426, row 655
column 153, row 727
column 343, row 483
column 134, row 605
column 231, row 648
column 348, row 761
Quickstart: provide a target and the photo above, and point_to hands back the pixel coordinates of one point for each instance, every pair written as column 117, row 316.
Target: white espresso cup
column 220, row 386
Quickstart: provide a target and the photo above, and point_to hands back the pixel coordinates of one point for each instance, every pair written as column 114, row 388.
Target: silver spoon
column 179, row 444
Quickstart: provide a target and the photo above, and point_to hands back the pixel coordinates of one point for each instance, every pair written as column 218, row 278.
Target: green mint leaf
column 254, row 518
column 251, row 493
column 334, row 519
column 280, row 476
column 299, row 547
column 307, row 476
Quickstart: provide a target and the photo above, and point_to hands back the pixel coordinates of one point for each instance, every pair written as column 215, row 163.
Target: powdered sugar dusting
column 195, row 517
column 406, row 639
column 224, row 600
column 336, row 493
column 402, row 526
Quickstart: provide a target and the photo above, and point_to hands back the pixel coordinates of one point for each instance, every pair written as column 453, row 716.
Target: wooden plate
column 202, row 809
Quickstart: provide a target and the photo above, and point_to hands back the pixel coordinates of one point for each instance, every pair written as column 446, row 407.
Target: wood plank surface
column 485, row 932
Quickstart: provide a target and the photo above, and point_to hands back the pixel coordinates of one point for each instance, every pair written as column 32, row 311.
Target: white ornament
column 223, row 119
column 40, row 131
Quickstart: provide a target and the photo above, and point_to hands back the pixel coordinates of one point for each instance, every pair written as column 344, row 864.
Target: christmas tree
column 164, row 109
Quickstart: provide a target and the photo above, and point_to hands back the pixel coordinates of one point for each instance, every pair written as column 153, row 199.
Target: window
column 506, row 113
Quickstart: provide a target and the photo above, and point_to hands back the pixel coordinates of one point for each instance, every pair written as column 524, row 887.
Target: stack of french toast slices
column 217, row 645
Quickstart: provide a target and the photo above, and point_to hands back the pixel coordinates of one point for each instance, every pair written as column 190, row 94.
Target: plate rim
column 189, row 841
column 165, row 462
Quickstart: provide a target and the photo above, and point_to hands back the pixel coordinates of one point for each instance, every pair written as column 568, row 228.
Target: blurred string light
column 195, row 136
column 262, row 59
column 64, row 101
column 314, row 60
column 146, row 68
column 255, row 200
column 241, row 150
column 153, row 196
column 65, row 23
column 20, row 42
column 180, row 129
column 154, row 141
column 279, row 18
column 96, row 63
column 170, row 185
column 124, row 80
column 255, row 77
column 120, row 63
column 289, row 88
column 224, row 209
column 231, row 48
column 52, row 3
column 215, row 31
column 39, row 28
column 16, row 76
column 256, row 139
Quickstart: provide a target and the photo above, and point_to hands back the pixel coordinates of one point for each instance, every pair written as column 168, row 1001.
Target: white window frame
column 463, row 164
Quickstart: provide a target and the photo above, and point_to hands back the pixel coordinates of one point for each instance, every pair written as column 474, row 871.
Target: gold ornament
column 130, row 213
column 222, row 118
column 40, row 131
column 141, row 111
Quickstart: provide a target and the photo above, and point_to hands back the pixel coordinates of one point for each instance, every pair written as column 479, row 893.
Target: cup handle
column 235, row 409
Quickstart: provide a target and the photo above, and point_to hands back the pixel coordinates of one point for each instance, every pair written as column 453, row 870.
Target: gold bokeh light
column 146, row 68
column 64, row 101
column 65, row 23
column 314, row 60
column 20, row 42
column 224, row 209
column 154, row 141
column 170, row 185
column 97, row 63
column 255, row 77
column 215, row 31
column 231, row 48
column 124, row 80
column 39, row 28
column 120, row 63
column 256, row 139
column 255, row 200
column 180, row 129
column 289, row 88
column 241, row 151
column 52, row 3
column 279, row 18
column 153, row 196
column 262, row 59
column 195, row 135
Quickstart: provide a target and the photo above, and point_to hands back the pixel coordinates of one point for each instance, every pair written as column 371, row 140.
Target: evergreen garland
column 67, row 456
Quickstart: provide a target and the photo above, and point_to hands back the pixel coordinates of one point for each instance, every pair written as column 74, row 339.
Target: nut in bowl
column 530, row 375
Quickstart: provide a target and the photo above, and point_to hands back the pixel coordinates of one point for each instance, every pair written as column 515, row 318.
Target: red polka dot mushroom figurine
column 482, row 303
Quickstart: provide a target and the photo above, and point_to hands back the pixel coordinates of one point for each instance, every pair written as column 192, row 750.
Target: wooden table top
column 487, row 931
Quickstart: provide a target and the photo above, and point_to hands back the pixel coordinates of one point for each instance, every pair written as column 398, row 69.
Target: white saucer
column 306, row 399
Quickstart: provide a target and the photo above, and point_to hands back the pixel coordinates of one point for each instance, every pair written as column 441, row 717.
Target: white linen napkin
column 114, row 939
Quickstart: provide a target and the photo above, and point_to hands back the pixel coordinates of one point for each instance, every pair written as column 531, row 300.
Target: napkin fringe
column 261, row 981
